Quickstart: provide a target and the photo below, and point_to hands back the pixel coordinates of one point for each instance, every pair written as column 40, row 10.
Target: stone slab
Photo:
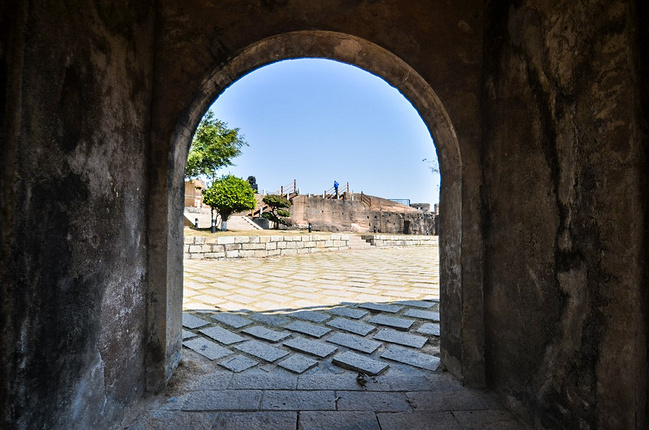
column 348, row 420
column 266, row 333
column 275, row 420
column 501, row 420
column 402, row 338
column 419, row 420
column 307, row 328
column 188, row 334
column 348, row 313
column 413, row 358
column 270, row 319
column 233, row 320
column 417, row 303
column 418, row 313
column 395, row 322
column 299, row 400
column 351, row 341
column 261, row 350
column 225, row 400
column 221, row 335
column 238, row 363
column 319, row 349
column 359, row 363
column 298, row 363
column 258, row 379
column 191, row 321
column 381, row 307
column 357, row 327
column 207, row 348
column 429, row 328
column 375, row 401
column 316, row 317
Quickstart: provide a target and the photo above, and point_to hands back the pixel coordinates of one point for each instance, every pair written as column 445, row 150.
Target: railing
column 367, row 200
column 331, row 192
column 289, row 191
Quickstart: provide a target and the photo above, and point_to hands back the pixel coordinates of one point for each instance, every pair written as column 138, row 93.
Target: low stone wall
column 220, row 247
column 381, row 240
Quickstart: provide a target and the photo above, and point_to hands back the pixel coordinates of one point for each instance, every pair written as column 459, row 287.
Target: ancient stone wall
column 565, row 310
column 76, row 81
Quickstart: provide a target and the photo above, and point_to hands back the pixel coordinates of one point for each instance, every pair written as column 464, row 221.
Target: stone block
column 299, row 400
column 316, row 317
column 262, row 380
column 351, row 341
column 410, row 357
column 266, row 334
column 261, row 350
column 232, row 254
column 222, row 335
column 275, row 420
column 207, row 348
column 195, row 249
column 359, row 363
column 357, row 420
column 395, row 322
column 224, row 240
column 271, row 245
column 270, row 319
column 442, row 420
column 199, row 240
column 446, row 400
column 429, row 328
column 233, row 320
column 191, row 321
column 238, row 363
column 401, row 338
column 372, row 401
column 188, row 334
column 281, row 245
column 226, row 400
column 348, row 312
column 307, row 328
column 206, row 248
column 356, row 327
column 380, row 307
column 298, row 363
column 319, row 349
column 417, row 303
column 241, row 239
column 418, row 313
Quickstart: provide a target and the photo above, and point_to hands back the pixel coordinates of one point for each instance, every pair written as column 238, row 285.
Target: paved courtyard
column 330, row 340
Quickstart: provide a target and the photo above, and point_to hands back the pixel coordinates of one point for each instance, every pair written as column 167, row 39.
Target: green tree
column 229, row 195
column 213, row 147
column 278, row 209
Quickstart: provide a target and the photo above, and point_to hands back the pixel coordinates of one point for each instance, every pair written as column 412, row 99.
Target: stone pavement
column 319, row 341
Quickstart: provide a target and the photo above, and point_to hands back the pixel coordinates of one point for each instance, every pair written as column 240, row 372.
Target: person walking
column 336, row 188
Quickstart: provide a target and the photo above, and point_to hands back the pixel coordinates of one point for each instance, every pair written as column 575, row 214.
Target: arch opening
column 373, row 59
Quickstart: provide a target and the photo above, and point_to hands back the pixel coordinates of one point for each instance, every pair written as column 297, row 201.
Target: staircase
column 357, row 242
column 242, row 223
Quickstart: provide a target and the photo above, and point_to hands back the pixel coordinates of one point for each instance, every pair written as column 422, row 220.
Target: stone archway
column 164, row 313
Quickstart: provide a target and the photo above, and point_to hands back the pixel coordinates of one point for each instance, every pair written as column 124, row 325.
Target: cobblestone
column 319, row 349
column 418, row 313
column 233, row 320
column 359, row 363
column 261, row 350
column 401, row 338
column 356, row 327
column 307, row 328
column 207, row 348
column 413, row 358
column 266, row 334
column 429, row 328
column 357, row 343
column 380, row 307
column 222, row 335
column 316, row 317
column 348, row 313
column 191, row 321
column 396, row 322
column 238, row 363
column 298, row 363
column 299, row 400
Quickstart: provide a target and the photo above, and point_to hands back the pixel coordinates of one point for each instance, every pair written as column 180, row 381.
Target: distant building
column 194, row 193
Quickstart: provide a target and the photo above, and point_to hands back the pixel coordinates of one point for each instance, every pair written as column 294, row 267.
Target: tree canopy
column 278, row 209
column 229, row 195
column 213, row 147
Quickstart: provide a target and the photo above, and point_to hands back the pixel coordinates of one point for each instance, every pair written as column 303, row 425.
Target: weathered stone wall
column 392, row 240
column 197, row 247
column 565, row 262
column 76, row 81
column 350, row 214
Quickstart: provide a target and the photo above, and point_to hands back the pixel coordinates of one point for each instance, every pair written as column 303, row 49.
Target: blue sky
column 317, row 121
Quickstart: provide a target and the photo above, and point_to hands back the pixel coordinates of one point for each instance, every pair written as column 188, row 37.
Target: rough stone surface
column 233, row 320
column 316, row 317
column 319, row 349
column 207, row 348
column 357, row 420
column 408, row 356
column 222, row 335
column 255, row 420
column 307, row 328
column 233, row 400
column 261, row 350
column 191, row 321
column 396, row 322
column 266, row 334
column 238, row 363
column 299, row 400
column 417, row 313
column 429, row 328
column 357, row 343
column 401, row 338
column 298, row 363
column 348, row 313
column 360, row 363
column 381, row 307
column 357, row 327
